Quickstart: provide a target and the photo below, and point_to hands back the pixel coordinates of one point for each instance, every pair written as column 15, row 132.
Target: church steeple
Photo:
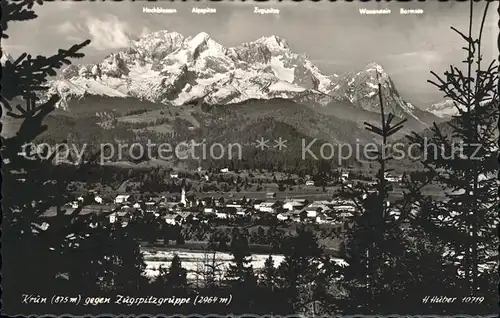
column 183, row 196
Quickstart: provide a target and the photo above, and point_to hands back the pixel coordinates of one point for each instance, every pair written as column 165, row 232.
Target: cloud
column 13, row 46
column 66, row 4
column 67, row 28
column 331, row 62
column 412, row 61
column 109, row 33
column 13, row 49
column 145, row 31
column 427, row 56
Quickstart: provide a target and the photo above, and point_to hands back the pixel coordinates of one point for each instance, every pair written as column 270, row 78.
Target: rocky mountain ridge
column 166, row 67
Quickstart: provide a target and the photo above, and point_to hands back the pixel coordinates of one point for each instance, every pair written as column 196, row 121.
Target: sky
column 334, row 35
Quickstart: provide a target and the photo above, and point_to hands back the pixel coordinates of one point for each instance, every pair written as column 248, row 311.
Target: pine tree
column 108, row 260
column 392, row 248
column 56, row 244
column 299, row 269
column 373, row 238
column 268, row 275
column 32, row 184
column 464, row 163
column 160, row 282
column 240, row 271
column 240, row 275
column 177, row 275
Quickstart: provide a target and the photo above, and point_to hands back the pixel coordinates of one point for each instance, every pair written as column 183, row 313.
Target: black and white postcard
column 279, row 158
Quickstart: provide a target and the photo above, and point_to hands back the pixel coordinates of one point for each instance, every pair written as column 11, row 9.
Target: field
column 195, row 261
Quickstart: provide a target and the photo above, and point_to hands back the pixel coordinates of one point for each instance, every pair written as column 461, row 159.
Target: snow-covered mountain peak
column 448, row 108
column 163, row 36
column 445, row 109
column 5, row 57
column 274, row 43
column 373, row 66
column 156, row 45
column 166, row 67
column 375, row 71
column 361, row 88
column 198, row 41
column 203, row 41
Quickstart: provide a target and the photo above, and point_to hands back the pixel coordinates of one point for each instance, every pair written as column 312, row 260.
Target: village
column 220, row 210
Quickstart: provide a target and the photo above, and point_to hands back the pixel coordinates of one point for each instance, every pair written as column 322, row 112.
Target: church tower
column 183, row 196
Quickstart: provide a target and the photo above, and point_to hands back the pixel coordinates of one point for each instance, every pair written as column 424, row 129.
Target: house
column 222, row 215
column 119, row 217
column 269, row 207
column 150, row 206
column 42, row 227
column 122, row 198
column 98, row 199
column 233, row 204
column 170, row 219
column 316, row 207
column 395, row 213
column 323, row 218
column 136, row 205
column 313, row 211
column 243, row 212
column 340, row 202
column 345, row 215
column 392, row 178
column 321, row 203
column 344, row 208
column 185, row 216
column 208, row 210
column 284, row 216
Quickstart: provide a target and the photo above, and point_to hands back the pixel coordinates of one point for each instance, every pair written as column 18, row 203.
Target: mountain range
column 168, row 68
column 164, row 73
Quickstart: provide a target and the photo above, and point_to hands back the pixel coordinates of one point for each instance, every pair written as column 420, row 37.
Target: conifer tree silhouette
column 423, row 238
column 299, row 270
column 177, row 274
column 39, row 251
column 240, row 274
column 372, row 234
column 29, row 185
column 268, row 276
column 464, row 163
